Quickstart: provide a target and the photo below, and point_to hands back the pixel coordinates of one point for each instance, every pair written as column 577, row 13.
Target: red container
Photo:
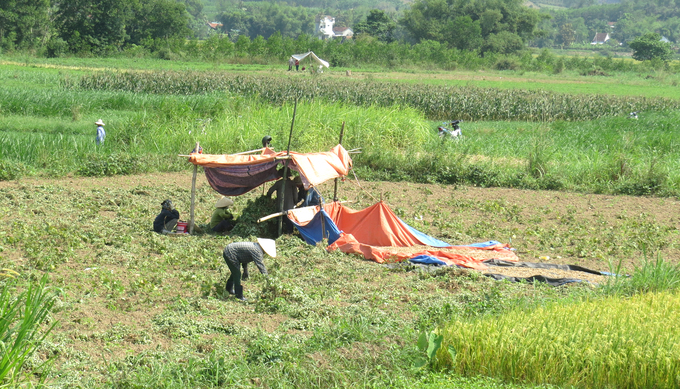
column 182, row 227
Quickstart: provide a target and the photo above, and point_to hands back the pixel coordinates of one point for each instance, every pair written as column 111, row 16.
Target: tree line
column 93, row 26
column 441, row 30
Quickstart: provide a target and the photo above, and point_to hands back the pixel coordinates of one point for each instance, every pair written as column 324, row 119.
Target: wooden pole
column 285, row 169
column 193, row 197
column 335, row 189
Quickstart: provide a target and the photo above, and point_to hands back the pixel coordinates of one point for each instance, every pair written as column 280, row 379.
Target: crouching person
column 166, row 221
column 242, row 253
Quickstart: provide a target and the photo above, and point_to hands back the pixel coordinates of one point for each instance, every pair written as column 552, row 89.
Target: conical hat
column 224, row 202
column 268, row 245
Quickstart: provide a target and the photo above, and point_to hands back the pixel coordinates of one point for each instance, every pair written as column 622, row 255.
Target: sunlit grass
column 610, row 342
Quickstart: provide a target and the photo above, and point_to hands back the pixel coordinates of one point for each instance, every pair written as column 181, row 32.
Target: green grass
column 49, row 131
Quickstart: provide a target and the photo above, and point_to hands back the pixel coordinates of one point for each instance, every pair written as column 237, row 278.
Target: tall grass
column 51, row 131
column 650, row 276
column 22, row 316
column 610, row 342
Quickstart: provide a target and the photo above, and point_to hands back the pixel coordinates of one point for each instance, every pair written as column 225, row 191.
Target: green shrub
column 112, row 165
column 11, row 170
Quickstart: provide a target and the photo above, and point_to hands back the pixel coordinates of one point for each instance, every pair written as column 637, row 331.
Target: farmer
column 166, row 221
column 101, row 134
column 291, row 62
column 288, row 199
column 297, row 65
column 241, row 253
column 222, row 220
column 267, row 141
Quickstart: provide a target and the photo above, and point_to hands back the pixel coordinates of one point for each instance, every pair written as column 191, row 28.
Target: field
column 139, row 309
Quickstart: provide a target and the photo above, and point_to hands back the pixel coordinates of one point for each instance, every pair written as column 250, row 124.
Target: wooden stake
column 193, row 197
column 335, row 190
column 285, row 169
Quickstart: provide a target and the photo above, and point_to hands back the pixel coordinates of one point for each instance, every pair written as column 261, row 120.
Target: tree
column 567, row 35
column 88, row 25
column 650, row 46
column 464, row 34
column 157, row 20
column 505, row 22
column 23, row 23
column 377, row 24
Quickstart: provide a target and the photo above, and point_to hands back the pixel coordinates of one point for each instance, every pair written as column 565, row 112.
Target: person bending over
column 239, row 254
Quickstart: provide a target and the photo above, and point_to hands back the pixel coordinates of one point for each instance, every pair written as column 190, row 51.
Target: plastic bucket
column 182, row 227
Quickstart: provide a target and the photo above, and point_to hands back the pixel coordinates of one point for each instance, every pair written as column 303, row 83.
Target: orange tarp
column 376, row 225
column 349, row 244
column 365, row 231
column 314, row 168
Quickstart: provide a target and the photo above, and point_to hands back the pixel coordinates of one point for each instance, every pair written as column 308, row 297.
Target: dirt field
column 139, row 293
column 543, row 226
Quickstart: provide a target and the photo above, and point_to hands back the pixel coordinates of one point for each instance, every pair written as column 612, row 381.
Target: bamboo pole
column 335, row 189
column 273, row 215
column 193, row 197
column 285, row 169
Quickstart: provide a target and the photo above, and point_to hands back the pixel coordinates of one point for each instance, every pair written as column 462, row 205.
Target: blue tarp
column 426, row 239
column 312, row 232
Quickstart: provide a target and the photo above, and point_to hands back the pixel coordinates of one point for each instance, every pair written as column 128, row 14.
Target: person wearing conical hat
column 101, row 134
column 239, row 254
column 222, row 220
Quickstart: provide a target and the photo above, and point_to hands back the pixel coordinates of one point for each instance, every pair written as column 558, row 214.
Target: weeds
column 21, row 318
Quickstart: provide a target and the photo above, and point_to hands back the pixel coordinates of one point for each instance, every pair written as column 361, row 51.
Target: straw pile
column 478, row 254
column 483, row 255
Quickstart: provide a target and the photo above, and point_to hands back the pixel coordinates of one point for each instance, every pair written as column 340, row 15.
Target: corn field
column 436, row 102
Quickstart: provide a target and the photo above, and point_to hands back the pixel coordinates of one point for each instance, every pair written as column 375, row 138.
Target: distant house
column 600, row 38
column 326, row 30
column 611, row 24
column 344, row 32
column 214, row 25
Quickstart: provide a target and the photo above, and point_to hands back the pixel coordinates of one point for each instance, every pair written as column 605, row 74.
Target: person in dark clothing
column 267, row 141
column 239, row 254
column 166, row 221
column 289, row 199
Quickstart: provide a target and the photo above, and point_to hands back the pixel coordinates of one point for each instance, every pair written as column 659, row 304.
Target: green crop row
column 436, row 102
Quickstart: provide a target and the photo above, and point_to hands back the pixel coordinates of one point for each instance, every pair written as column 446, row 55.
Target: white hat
column 224, row 202
column 99, row 123
column 268, row 245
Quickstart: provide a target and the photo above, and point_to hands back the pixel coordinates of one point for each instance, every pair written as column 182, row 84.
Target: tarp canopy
column 233, row 175
column 311, row 54
column 375, row 231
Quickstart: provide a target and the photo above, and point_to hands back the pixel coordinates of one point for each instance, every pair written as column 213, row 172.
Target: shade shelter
column 313, row 57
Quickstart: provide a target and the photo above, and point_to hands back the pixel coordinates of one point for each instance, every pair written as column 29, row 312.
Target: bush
column 11, row 170
column 112, row 165
column 56, row 47
column 506, row 64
